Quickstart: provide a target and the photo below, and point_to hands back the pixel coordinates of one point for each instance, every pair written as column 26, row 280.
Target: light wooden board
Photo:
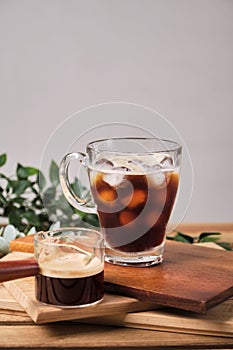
column 71, row 335
column 218, row 321
column 7, row 302
column 23, row 290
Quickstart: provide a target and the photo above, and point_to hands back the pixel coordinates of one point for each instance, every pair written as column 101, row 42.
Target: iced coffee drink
column 134, row 201
column 133, row 182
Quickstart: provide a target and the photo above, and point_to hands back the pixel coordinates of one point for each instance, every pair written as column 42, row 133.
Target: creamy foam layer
column 71, row 266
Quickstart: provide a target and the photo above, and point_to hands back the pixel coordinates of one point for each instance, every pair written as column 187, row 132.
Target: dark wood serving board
column 191, row 278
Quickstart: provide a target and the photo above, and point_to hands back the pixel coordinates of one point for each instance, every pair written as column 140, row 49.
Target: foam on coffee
column 71, row 266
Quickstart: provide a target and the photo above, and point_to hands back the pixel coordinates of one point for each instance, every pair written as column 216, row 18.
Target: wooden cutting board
column 191, row 277
column 217, row 322
column 23, row 290
column 7, row 302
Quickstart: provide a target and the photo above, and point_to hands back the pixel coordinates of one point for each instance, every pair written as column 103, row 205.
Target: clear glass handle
column 73, row 199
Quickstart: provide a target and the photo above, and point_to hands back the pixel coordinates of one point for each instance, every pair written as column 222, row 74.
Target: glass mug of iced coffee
column 71, row 267
column 133, row 184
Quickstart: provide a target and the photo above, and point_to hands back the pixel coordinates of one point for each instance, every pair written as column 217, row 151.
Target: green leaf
column 49, row 195
column 20, row 186
column 8, row 187
column 25, row 172
column 41, row 180
column 54, row 173
column 81, row 214
column 204, row 236
column 92, row 220
column 2, row 199
column 2, row 176
column 37, row 203
column 225, row 245
column 19, row 200
column 31, row 217
column 78, row 188
column 209, row 239
column 15, row 217
column 181, row 237
column 3, row 159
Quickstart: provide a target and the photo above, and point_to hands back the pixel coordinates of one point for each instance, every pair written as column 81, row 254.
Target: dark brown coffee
column 70, row 291
column 69, row 279
column 134, row 208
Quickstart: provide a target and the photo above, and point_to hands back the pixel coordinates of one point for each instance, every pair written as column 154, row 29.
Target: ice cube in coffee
column 134, row 201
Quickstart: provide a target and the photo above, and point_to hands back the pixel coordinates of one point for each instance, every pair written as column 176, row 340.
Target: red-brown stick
column 13, row 269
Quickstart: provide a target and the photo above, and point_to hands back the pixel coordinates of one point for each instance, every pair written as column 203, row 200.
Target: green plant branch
column 201, row 238
column 28, row 200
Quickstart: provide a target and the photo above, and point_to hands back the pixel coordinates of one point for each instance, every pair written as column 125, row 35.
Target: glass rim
column 83, row 229
column 170, row 145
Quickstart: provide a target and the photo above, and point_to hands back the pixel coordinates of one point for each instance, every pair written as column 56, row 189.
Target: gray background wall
column 174, row 56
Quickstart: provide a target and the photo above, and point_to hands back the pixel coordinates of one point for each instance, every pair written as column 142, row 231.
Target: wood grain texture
column 14, row 318
column 23, row 291
column 14, row 333
column 218, row 321
column 79, row 336
column 191, row 278
column 7, row 302
column 23, row 244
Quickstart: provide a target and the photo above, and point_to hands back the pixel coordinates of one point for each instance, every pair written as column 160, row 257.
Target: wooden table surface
column 19, row 332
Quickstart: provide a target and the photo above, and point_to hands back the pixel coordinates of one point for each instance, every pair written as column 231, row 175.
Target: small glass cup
column 133, row 183
column 71, row 263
